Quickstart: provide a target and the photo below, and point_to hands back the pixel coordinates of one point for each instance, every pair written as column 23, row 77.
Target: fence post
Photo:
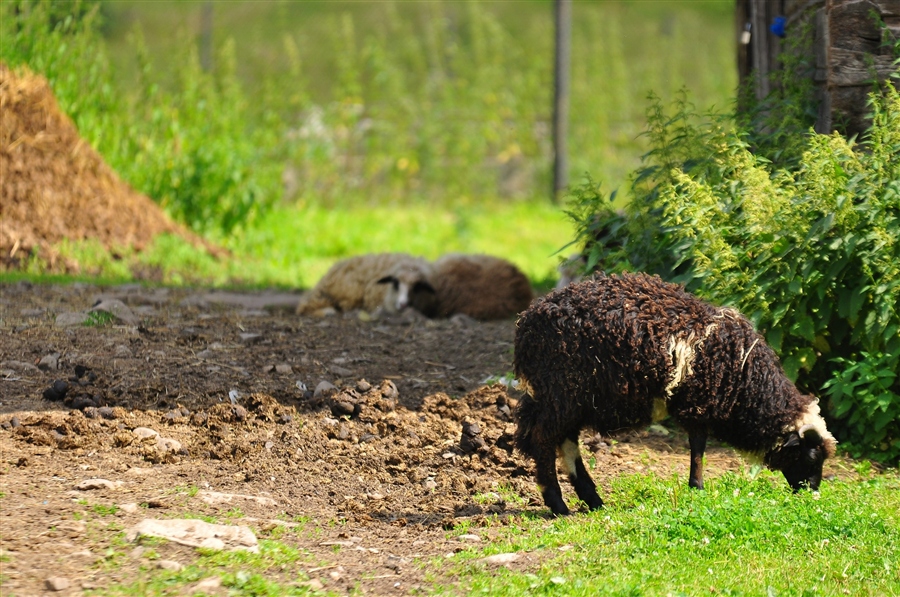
column 563, row 13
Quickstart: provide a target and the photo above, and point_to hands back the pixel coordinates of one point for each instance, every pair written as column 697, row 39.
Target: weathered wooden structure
column 853, row 47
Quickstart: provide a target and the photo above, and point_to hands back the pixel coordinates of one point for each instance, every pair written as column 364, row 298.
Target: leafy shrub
column 811, row 253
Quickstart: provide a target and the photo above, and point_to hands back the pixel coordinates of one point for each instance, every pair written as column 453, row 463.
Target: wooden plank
column 851, row 68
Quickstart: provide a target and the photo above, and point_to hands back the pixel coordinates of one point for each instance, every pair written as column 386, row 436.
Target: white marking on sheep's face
column 812, row 419
column 569, row 453
column 396, row 297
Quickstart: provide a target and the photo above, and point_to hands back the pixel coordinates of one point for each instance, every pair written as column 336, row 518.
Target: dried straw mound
column 54, row 186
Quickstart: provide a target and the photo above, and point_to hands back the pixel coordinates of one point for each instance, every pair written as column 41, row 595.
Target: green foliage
column 336, row 104
column 810, row 253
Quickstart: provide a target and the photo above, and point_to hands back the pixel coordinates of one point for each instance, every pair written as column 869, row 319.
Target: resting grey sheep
column 618, row 352
column 386, row 280
column 480, row 286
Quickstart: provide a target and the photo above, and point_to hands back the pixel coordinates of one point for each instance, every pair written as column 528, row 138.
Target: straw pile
column 54, row 186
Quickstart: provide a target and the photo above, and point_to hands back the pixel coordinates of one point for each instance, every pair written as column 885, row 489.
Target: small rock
column 212, row 543
column 57, row 583
column 284, row 368
column 207, row 585
column 117, row 309
column 72, row 319
column 323, row 389
column 129, row 508
column 362, row 386
column 173, row 416
column 168, row 445
column 90, row 484
column 196, row 533
column 19, row 366
column 73, row 527
column 314, row 584
column 145, row 432
column 429, row 484
column 340, row 371
column 248, row 339
column 49, row 362
column 169, row 565
column 470, row 538
column 501, row 559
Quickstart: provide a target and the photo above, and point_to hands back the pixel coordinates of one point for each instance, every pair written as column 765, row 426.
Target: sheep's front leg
column 545, row 462
column 697, row 440
column 578, row 475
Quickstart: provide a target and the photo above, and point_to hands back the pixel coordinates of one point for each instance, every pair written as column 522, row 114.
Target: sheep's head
column 800, row 458
column 405, row 286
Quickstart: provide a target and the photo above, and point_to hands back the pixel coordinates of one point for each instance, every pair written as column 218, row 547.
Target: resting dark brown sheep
column 480, row 286
column 619, row 352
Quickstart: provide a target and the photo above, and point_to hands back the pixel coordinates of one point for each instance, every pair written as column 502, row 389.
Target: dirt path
column 198, row 403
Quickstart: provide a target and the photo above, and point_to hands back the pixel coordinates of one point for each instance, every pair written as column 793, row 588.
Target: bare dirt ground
column 372, row 479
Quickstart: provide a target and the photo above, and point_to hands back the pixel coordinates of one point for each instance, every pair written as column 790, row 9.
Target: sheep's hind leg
column 578, row 475
column 697, row 440
column 545, row 462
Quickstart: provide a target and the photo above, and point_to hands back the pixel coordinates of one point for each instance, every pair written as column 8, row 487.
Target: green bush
column 810, row 252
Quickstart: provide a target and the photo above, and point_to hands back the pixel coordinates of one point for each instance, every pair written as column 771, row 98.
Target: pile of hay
column 54, row 186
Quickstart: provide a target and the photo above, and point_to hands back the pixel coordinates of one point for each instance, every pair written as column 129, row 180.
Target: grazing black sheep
column 619, row 352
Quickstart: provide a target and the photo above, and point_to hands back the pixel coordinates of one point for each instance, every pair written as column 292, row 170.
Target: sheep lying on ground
column 479, row 286
column 386, row 280
column 619, row 352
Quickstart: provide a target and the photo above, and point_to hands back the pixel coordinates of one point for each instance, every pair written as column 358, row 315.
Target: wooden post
column 206, row 34
column 563, row 10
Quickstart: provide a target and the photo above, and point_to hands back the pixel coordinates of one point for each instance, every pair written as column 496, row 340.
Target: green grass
column 241, row 572
column 293, row 247
column 738, row 537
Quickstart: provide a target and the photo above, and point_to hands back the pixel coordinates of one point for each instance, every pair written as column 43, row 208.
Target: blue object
column 778, row 26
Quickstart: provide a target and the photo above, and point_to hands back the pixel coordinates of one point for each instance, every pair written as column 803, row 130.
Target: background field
column 437, row 112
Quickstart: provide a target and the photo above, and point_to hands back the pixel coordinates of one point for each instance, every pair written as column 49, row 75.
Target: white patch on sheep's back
column 569, row 453
column 660, row 410
column 813, row 418
column 683, row 351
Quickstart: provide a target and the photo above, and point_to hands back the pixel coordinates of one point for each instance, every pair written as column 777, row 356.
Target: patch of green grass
column 97, row 319
column 737, row 537
column 267, row 573
column 104, row 509
column 501, row 493
column 190, row 490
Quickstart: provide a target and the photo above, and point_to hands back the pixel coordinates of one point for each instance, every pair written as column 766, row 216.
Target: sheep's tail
column 528, row 414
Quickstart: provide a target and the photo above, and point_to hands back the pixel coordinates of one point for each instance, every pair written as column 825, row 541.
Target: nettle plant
column 809, row 251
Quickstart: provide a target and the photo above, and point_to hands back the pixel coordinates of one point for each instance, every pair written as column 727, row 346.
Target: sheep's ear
column 423, row 286
column 387, row 280
column 810, row 435
column 792, row 440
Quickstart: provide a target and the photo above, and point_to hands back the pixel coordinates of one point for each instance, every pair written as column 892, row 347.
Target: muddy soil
column 375, row 447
